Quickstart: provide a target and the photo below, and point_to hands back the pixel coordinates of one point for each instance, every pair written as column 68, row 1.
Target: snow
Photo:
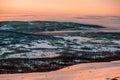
column 116, row 41
column 78, row 38
column 33, row 54
column 76, row 43
column 111, row 49
column 4, row 50
column 86, row 71
column 6, row 27
column 42, row 45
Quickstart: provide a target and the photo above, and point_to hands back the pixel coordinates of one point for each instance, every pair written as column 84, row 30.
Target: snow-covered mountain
column 41, row 26
column 20, row 46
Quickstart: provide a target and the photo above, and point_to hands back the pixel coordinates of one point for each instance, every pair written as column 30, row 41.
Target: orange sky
column 54, row 7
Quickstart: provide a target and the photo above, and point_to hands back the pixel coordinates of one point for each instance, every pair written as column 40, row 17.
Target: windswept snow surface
column 89, row 71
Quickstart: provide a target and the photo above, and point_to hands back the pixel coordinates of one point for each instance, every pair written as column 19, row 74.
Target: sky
column 59, row 7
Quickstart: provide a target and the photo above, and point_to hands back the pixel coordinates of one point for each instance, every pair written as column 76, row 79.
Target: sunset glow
column 59, row 39
column 55, row 7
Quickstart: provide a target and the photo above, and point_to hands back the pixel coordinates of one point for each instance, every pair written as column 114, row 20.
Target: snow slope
column 87, row 71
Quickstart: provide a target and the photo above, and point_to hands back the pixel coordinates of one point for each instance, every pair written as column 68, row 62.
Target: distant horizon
column 100, row 12
column 111, row 21
column 60, row 7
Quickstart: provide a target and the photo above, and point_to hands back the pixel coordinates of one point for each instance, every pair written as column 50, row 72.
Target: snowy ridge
column 43, row 26
column 33, row 46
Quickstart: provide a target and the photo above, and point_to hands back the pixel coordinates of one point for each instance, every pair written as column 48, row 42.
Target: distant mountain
column 41, row 26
